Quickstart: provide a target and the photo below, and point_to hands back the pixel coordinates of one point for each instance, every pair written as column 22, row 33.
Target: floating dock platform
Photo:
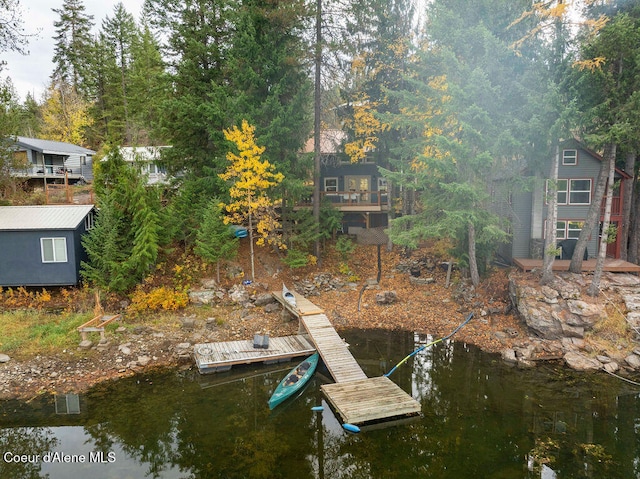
column 218, row 357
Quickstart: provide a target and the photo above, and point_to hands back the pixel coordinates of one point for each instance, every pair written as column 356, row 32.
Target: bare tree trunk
column 627, row 199
column 594, row 287
column 317, row 105
column 473, row 262
column 634, row 236
column 253, row 270
column 552, row 220
column 593, row 215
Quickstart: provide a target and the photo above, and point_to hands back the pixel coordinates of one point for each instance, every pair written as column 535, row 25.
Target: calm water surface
column 481, row 418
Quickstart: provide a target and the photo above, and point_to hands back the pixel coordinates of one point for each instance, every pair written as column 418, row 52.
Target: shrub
column 157, row 299
column 345, row 247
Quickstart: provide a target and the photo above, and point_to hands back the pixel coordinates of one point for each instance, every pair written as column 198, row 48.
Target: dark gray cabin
column 40, row 245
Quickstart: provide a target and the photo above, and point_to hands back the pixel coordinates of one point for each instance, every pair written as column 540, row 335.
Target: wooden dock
column 610, row 264
column 218, row 357
column 333, row 350
column 356, row 399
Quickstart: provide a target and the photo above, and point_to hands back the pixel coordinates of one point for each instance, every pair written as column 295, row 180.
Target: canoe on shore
column 294, row 380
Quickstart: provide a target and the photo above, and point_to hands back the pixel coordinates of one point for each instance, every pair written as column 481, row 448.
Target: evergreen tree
column 148, row 87
column 131, row 237
column 72, row 50
column 107, row 248
column 120, row 34
column 459, row 118
column 214, row 239
column 192, row 118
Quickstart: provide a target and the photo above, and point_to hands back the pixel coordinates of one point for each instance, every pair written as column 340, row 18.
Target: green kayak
column 295, row 380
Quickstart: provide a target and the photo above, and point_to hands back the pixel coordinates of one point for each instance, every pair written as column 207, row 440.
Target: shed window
column 54, row 250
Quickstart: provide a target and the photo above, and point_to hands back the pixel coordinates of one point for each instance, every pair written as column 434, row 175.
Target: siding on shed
column 21, row 231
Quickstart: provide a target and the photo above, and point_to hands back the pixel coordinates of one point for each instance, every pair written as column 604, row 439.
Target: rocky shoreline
column 567, row 324
column 515, row 317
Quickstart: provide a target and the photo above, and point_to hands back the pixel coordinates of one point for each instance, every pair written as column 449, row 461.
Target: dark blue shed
column 40, row 245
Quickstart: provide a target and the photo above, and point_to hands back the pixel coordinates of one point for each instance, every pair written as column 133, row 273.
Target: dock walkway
column 355, row 397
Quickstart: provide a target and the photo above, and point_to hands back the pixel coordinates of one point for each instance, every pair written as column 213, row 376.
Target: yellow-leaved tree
column 65, row 115
column 250, row 178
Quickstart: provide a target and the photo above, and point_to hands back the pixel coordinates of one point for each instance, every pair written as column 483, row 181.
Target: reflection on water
column 481, row 418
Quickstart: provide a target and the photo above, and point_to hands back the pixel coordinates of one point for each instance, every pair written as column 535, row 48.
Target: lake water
column 480, row 418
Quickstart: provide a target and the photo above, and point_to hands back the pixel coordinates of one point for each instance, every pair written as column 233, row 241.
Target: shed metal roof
column 51, row 217
column 53, row 147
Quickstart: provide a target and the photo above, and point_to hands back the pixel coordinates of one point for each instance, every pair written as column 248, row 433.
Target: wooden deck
column 218, row 357
column 368, row 400
column 612, row 265
column 356, row 399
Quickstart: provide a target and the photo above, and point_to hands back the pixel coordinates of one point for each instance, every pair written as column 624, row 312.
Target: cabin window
column 331, row 185
column 83, row 160
column 570, row 157
column 54, row 250
column 579, row 192
column 382, row 185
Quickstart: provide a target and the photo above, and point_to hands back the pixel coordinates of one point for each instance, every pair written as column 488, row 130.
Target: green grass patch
column 29, row 333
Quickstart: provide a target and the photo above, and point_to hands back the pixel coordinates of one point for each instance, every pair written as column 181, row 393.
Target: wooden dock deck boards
column 371, row 399
column 213, row 357
column 610, row 264
column 333, row 350
column 304, row 307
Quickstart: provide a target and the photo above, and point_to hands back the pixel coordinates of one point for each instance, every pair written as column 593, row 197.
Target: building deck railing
column 339, row 199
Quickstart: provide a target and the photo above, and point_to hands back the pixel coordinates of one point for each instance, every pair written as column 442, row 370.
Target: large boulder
column 554, row 311
column 580, row 362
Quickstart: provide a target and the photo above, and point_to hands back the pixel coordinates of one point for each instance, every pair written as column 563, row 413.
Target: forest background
column 445, row 96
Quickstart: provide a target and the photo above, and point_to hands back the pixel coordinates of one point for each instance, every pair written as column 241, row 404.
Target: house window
column 574, row 228
column 568, row 229
column 570, row 157
column 54, row 250
column 579, row 192
column 382, row 185
column 83, row 160
column 573, row 192
column 331, row 185
column 562, row 190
